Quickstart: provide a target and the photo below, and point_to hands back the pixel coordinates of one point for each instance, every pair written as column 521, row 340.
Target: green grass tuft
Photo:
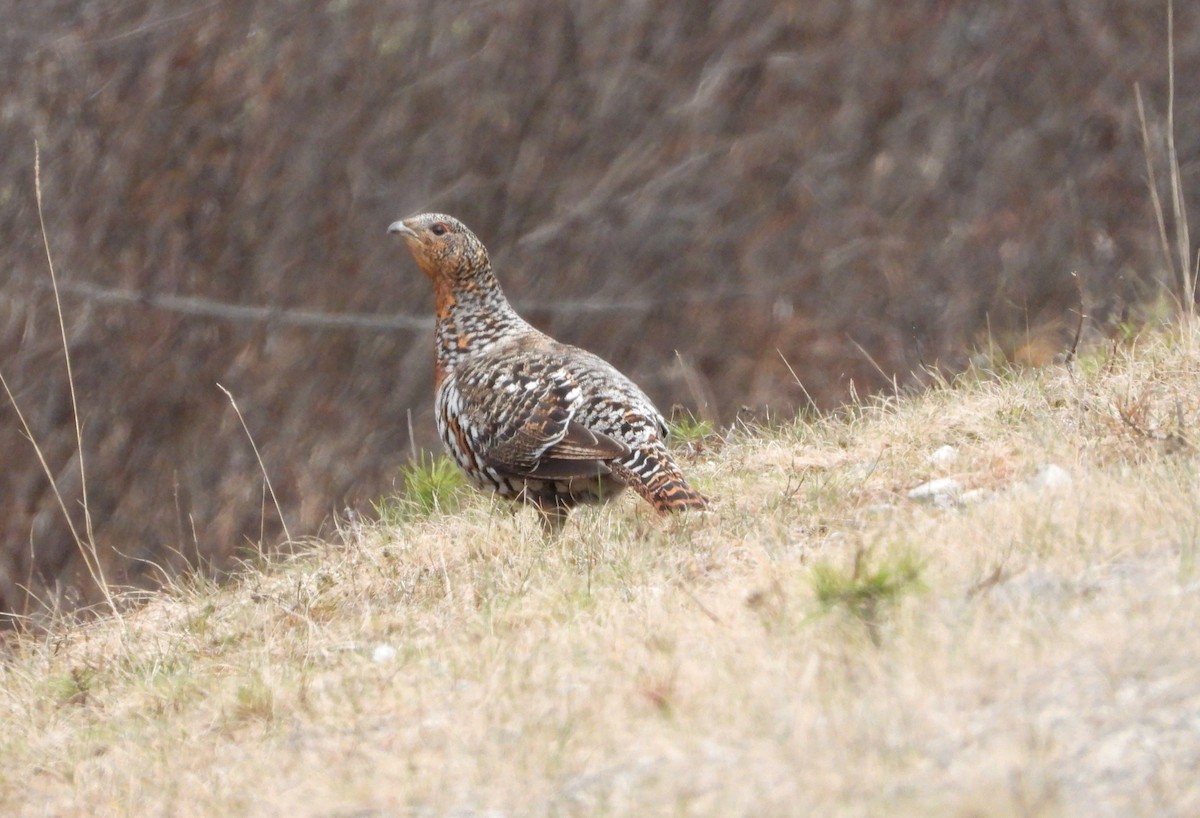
column 254, row 700
column 869, row 585
column 432, row 485
column 685, row 428
column 71, row 688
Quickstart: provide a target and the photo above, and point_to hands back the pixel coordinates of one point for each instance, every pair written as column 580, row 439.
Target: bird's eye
column 439, row 229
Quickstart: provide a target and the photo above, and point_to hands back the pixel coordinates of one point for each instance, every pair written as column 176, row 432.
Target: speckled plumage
column 533, row 419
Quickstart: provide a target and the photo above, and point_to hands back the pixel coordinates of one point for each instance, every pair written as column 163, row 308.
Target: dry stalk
column 262, row 466
column 1179, row 263
column 85, row 544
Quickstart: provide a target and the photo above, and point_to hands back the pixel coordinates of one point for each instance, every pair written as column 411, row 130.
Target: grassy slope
column 821, row 644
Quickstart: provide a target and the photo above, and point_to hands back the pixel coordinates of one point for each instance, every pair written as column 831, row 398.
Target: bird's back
column 514, row 416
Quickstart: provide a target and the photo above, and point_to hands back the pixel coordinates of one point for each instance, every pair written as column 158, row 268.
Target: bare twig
column 1132, row 415
column 874, row 363
column 796, row 378
column 412, row 438
column 1079, row 323
column 704, row 609
column 698, row 386
column 45, row 466
column 86, row 547
column 1159, row 214
column 262, row 466
column 62, row 326
column 1178, row 261
column 1182, row 238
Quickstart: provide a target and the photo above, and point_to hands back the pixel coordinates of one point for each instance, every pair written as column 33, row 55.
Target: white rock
column 1051, row 476
column 382, row 654
column 975, row 496
column 943, row 456
column 942, row 492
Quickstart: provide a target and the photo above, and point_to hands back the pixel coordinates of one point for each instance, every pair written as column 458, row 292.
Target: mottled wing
column 521, row 413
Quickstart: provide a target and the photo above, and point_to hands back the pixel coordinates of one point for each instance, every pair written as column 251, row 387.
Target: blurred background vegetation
column 860, row 191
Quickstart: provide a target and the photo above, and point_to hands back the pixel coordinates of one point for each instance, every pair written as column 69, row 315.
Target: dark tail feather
column 678, row 496
column 659, row 482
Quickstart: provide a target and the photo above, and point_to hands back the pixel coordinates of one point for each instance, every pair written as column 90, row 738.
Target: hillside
column 868, row 188
column 1019, row 643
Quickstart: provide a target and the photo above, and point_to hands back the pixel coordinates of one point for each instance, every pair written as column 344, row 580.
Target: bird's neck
column 472, row 315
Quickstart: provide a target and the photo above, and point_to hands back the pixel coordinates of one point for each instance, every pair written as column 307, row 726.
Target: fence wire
column 315, row 319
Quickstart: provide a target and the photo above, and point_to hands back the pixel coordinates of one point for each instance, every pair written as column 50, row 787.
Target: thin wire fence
column 315, row 319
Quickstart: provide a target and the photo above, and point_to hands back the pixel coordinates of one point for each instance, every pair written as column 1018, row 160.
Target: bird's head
column 442, row 245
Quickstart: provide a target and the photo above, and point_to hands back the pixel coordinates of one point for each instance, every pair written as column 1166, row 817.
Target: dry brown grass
column 759, row 184
column 1034, row 655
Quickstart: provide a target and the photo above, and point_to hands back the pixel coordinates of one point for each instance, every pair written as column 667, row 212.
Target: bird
column 537, row 421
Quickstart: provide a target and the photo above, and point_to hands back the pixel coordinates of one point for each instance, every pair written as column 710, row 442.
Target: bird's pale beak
column 402, row 228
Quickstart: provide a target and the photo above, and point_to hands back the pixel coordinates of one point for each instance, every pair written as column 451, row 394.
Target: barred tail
column 654, row 476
